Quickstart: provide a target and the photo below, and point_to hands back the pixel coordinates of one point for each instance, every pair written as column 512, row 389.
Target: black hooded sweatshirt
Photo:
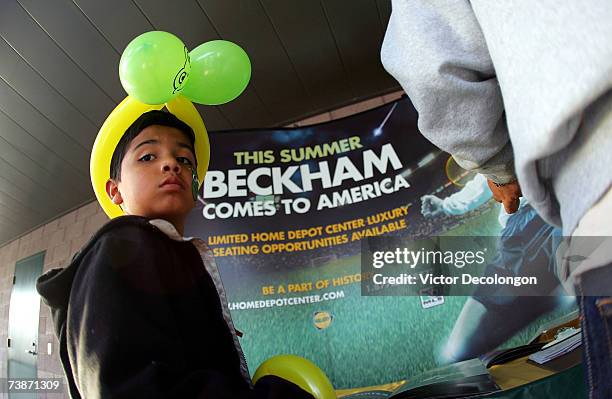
column 138, row 316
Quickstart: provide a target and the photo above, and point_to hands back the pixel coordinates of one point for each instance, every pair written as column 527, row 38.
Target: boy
column 140, row 312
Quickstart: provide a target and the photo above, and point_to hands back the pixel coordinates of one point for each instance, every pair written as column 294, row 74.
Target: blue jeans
column 596, row 323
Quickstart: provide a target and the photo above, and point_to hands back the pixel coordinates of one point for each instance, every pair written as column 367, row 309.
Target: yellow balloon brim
column 301, row 372
column 115, row 126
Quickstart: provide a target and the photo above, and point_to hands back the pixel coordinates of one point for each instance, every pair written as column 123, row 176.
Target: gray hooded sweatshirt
column 513, row 89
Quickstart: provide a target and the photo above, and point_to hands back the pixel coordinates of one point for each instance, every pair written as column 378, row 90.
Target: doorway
column 24, row 312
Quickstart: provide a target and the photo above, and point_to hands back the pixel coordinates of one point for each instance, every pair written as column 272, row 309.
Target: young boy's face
column 156, row 176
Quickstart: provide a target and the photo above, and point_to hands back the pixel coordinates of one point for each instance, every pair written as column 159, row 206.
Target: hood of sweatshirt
column 54, row 286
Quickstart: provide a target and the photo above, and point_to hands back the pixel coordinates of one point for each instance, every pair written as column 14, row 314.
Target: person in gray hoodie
column 520, row 92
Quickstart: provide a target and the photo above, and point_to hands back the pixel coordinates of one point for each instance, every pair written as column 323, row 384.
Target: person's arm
column 436, row 51
column 122, row 341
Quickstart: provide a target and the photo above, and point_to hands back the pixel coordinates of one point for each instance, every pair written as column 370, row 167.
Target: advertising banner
column 287, row 212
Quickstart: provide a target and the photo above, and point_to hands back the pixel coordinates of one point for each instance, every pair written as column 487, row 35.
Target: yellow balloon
column 115, row 126
column 299, row 371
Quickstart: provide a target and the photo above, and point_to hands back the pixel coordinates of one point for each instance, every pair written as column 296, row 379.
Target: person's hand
column 431, row 206
column 508, row 194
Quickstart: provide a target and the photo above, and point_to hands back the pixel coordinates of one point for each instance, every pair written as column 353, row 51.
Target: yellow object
column 301, row 372
column 390, row 387
column 322, row 320
column 456, row 174
column 115, row 126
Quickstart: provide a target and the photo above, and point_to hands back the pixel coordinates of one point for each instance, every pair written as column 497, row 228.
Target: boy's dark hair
column 145, row 120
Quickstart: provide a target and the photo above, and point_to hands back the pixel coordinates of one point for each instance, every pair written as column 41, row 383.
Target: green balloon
column 220, row 72
column 154, row 67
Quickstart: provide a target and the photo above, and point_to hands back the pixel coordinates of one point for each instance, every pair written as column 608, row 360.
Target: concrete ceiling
column 59, row 79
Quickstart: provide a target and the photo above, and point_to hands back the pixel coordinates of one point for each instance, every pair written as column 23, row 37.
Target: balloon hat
column 155, row 68
column 115, row 126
